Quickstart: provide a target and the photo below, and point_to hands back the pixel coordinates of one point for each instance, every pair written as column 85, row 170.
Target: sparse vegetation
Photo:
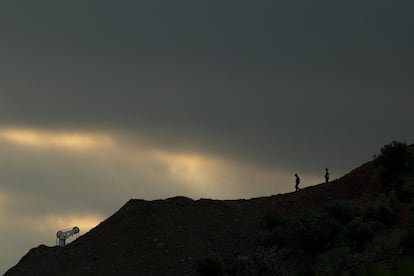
column 359, row 232
column 408, row 239
column 210, row 266
column 312, row 233
column 395, row 161
column 381, row 211
column 273, row 220
column 340, row 211
column 339, row 238
column 334, row 239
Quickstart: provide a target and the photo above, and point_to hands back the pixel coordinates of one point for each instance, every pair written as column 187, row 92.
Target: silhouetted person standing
column 326, row 175
column 297, row 182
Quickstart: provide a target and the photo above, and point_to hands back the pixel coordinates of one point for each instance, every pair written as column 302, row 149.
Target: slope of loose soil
column 168, row 237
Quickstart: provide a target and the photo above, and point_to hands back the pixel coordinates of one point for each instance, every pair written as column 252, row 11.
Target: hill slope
column 168, row 237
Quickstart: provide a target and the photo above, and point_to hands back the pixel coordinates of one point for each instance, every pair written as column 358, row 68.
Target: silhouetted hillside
column 170, row 237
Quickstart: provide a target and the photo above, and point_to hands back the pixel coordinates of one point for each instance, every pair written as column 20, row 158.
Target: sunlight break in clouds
column 43, row 224
column 48, row 225
column 217, row 177
column 54, row 222
column 192, row 174
column 41, row 138
column 198, row 174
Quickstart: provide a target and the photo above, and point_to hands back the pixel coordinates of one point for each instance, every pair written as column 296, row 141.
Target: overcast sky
column 103, row 101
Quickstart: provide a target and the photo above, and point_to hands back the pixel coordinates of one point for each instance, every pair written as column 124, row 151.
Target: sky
column 103, row 101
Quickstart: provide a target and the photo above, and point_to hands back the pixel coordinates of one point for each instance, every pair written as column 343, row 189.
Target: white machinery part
column 63, row 235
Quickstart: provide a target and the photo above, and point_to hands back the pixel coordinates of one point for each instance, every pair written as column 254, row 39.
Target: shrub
column 313, row 232
column 395, row 161
column 340, row 211
column 210, row 266
column 382, row 211
column 278, row 236
column 271, row 261
column 333, row 261
column 272, row 220
column 263, row 261
column 360, row 232
column 408, row 240
column 409, row 184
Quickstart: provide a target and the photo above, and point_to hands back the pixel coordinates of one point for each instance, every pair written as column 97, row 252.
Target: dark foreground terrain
column 180, row 236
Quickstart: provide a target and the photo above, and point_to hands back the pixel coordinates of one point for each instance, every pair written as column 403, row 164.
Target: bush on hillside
column 263, row 261
column 272, row 261
column 408, row 240
column 333, row 261
column 275, row 237
column 382, row 211
column 210, row 266
column 340, row 211
column 395, row 161
column 273, row 220
column 382, row 214
column 312, row 232
column 359, row 232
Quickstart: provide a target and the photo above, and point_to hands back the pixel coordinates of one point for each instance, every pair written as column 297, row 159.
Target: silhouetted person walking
column 326, row 175
column 297, row 182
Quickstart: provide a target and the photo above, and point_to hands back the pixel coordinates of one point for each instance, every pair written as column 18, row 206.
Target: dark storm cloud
column 272, row 82
column 285, row 33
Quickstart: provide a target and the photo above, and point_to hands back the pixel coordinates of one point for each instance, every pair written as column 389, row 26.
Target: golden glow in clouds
column 41, row 138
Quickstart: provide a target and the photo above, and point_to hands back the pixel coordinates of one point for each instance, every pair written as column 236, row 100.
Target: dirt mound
column 168, row 237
